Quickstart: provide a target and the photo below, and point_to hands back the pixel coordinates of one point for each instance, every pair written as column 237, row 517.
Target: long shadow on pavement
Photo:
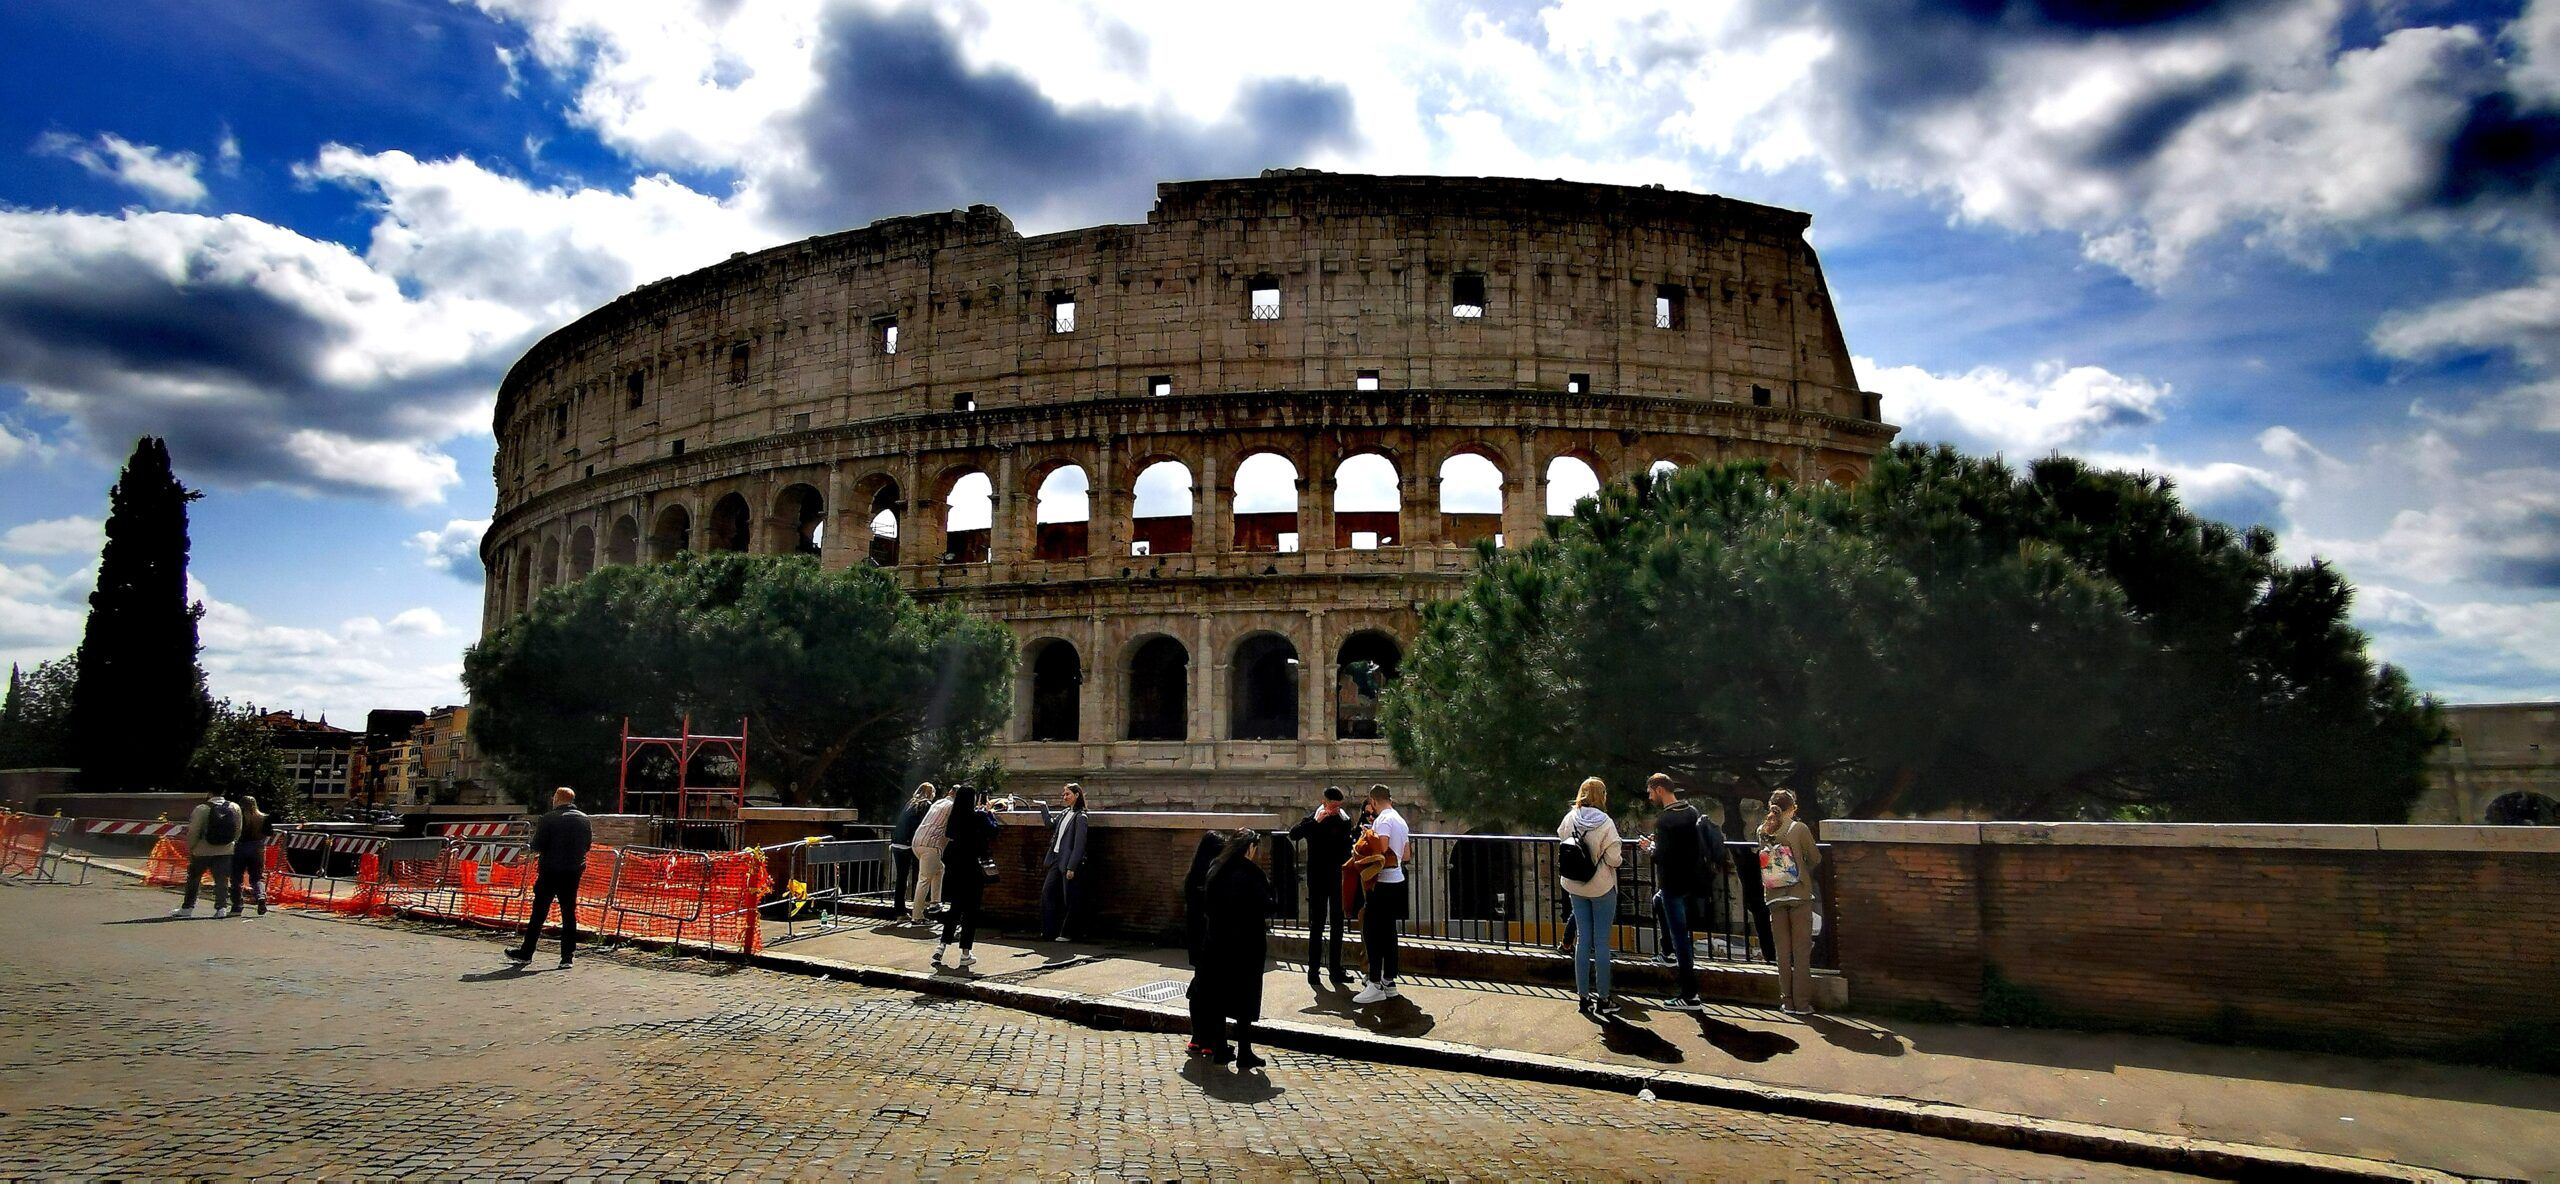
column 1751, row 1046
column 1856, row 1037
column 1630, row 1040
column 148, row 920
column 1398, row 1017
column 1225, row 1086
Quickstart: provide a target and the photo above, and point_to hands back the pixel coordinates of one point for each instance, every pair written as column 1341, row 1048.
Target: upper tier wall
column 1366, row 269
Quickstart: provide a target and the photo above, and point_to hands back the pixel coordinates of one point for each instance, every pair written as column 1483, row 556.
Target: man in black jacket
column 560, row 842
column 1686, row 862
column 1328, row 832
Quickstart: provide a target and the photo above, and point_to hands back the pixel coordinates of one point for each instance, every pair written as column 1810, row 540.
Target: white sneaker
column 938, row 952
column 967, row 958
column 183, row 912
column 1373, row 993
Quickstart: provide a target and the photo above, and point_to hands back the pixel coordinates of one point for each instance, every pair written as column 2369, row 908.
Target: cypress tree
column 139, row 707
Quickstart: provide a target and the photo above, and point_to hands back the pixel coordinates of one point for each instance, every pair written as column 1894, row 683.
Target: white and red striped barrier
column 147, row 830
column 479, row 830
column 497, row 853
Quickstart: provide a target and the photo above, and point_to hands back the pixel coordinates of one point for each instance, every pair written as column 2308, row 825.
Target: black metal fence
column 1502, row 891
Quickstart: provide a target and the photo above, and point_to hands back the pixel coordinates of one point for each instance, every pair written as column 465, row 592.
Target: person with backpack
column 1683, row 867
column 1588, row 856
column 213, row 829
column 249, row 856
column 1788, row 857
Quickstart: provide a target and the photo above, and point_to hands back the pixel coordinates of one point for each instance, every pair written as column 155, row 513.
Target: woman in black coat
column 971, row 841
column 1227, row 985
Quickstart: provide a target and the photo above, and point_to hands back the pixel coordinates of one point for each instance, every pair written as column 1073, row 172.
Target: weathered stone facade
column 790, row 399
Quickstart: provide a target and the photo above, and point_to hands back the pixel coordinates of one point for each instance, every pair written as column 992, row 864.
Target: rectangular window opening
column 1759, row 396
column 800, row 422
column 1288, row 542
column 632, row 388
column 1577, row 384
column 1668, row 307
column 1466, row 296
column 1062, row 313
column 964, row 401
column 560, row 422
column 738, row 362
column 885, row 331
column 1159, row 385
column 1364, row 540
column 1367, row 381
column 1139, row 547
column 675, row 447
column 1265, row 301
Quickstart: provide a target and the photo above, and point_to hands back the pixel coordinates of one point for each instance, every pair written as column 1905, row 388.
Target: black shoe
column 564, row 964
column 1245, row 1060
column 516, row 955
column 1340, row 978
column 1221, row 1055
column 1606, row 1009
column 1314, row 983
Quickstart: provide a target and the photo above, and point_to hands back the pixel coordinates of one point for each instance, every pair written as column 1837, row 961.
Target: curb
column 2076, row 1140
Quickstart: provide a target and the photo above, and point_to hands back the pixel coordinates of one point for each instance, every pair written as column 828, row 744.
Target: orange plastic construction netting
column 22, row 842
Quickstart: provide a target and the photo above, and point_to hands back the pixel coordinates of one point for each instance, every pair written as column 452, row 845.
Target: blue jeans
column 1593, row 918
column 1673, row 908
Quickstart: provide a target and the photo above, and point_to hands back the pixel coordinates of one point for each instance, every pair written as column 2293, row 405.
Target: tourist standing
column 1788, row 857
column 1681, row 865
column 1328, row 833
column 1590, row 883
column 561, row 840
column 968, row 858
column 213, row 828
column 1195, row 921
column 1227, row 986
column 1386, row 899
column 1058, row 888
column 249, row 856
column 931, row 834
column 902, row 848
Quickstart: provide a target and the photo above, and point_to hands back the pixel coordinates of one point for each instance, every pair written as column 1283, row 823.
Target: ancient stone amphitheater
column 1207, row 467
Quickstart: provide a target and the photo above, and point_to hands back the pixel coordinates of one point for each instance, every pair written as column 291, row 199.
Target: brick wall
column 2408, row 937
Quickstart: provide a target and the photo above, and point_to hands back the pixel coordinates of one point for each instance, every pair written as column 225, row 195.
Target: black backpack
column 1573, row 856
column 222, row 824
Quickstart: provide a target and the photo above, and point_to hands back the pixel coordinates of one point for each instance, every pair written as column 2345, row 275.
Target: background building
column 387, row 775
column 318, row 758
column 1206, row 467
column 450, row 771
column 2501, row 766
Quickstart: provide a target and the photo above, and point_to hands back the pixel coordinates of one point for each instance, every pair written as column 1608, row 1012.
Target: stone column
column 1210, row 530
column 1315, row 707
column 831, row 549
column 1007, row 533
column 1208, row 724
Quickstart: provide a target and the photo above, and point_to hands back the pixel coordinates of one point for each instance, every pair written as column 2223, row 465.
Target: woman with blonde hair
column 1587, row 861
column 1788, row 858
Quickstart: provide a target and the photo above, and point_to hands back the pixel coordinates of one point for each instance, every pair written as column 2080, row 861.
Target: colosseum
column 1207, row 468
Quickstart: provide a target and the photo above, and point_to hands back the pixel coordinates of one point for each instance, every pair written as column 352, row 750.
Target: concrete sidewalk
column 2478, row 1122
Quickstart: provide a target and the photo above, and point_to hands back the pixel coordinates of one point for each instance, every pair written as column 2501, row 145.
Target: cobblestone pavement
column 310, row 1046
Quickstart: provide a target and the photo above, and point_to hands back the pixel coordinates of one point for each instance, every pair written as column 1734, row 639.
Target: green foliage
column 239, row 757
column 2066, row 642
column 139, row 706
column 852, row 689
column 35, row 720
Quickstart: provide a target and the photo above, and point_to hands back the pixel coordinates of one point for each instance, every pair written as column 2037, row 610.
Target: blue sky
column 2300, row 255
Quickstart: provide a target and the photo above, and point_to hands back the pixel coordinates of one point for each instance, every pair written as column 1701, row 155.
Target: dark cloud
column 2502, row 152
column 2140, row 132
column 123, row 316
column 901, row 124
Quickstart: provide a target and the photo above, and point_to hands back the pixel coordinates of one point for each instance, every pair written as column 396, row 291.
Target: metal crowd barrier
column 813, row 880
column 666, row 900
column 31, row 847
column 325, row 854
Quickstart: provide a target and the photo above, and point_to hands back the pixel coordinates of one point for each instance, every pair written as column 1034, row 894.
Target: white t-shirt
column 1399, row 840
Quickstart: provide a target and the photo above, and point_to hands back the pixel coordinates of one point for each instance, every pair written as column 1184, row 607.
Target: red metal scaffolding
column 691, row 801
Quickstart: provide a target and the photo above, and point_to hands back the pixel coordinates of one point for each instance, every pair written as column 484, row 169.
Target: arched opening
column 582, row 553
column 1263, row 689
column 1159, row 690
column 624, row 549
column 1367, row 663
column 524, row 579
column 1470, row 499
column 671, row 535
column 968, row 519
column 1057, row 685
column 1367, row 504
column 2522, row 808
column 799, row 522
column 883, row 510
column 1062, row 522
column 550, row 570
column 1266, row 509
column 729, row 527
column 1160, row 510
column 1569, row 480
column 1844, row 477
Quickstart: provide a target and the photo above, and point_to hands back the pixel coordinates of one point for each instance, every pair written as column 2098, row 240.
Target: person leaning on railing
column 902, row 848
column 931, row 835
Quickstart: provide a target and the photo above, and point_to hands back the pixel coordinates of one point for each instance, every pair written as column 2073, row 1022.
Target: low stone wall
column 140, row 806
column 2400, row 937
column 1135, row 861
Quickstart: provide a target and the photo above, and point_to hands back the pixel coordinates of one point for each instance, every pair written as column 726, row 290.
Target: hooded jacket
column 1601, row 836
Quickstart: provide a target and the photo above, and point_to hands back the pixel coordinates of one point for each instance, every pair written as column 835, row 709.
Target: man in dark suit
column 1059, row 890
column 1328, row 831
column 561, row 839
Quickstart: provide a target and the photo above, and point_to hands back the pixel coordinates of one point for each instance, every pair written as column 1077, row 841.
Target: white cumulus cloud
column 454, row 548
column 171, row 177
column 2053, row 406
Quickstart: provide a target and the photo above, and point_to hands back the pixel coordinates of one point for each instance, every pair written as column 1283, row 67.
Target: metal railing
column 1502, row 891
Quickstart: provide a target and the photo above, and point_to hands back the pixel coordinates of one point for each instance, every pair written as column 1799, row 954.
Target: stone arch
column 1053, row 691
column 671, row 534
column 731, row 524
column 1267, row 489
column 1473, row 489
column 1571, row 477
column 582, row 552
column 622, row 547
column 1263, row 674
column 2522, row 808
column 550, row 570
column 524, row 577
column 878, row 503
column 798, row 524
column 1368, row 660
column 968, row 497
column 1843, row 476
column 1368, row 500
column 1061, row 511
column 1159, row 683
column 1162, row 483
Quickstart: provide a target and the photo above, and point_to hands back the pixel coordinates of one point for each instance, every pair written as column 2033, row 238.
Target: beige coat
column 1606, row 850
column 197, row 820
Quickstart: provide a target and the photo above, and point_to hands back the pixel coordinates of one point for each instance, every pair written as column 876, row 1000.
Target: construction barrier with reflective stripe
column 30, row 845
column 518, row 829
